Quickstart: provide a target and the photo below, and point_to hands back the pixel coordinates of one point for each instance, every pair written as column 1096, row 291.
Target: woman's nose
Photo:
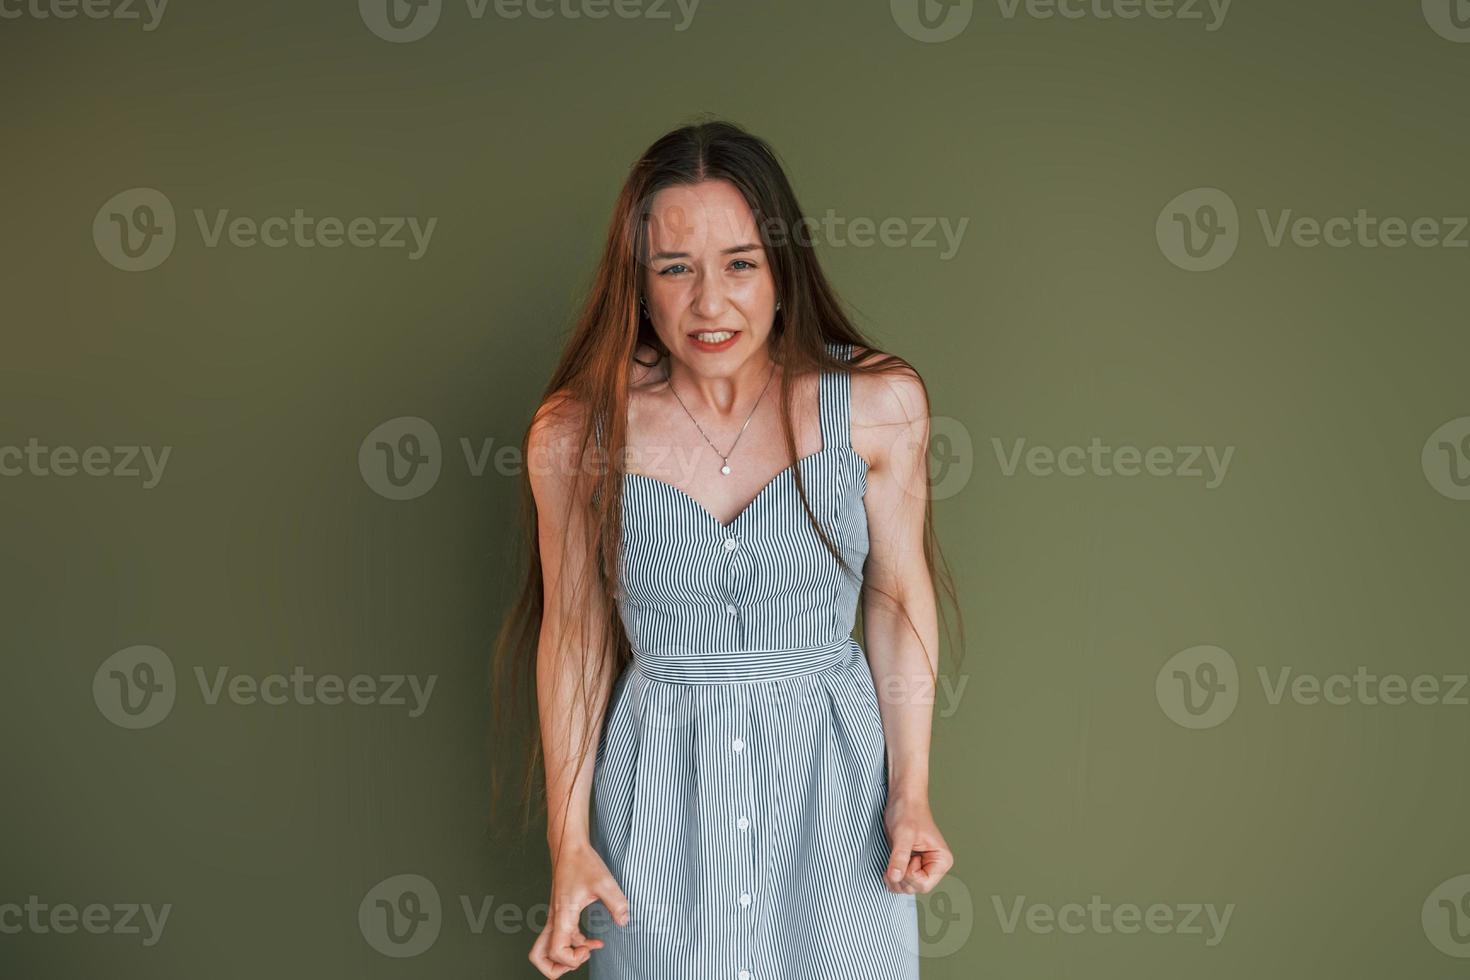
column 710, row 298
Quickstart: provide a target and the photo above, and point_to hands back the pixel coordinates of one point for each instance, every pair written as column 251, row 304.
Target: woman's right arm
column 566, row 677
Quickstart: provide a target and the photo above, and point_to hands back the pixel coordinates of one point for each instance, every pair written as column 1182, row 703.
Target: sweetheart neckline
column 724, row 526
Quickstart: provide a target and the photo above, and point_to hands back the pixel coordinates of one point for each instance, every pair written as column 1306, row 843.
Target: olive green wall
column 1203, row 475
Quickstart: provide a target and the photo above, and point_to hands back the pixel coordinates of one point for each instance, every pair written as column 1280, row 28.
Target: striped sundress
column 741, row 772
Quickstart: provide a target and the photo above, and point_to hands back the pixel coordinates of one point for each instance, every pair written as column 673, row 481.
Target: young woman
column 723, row 470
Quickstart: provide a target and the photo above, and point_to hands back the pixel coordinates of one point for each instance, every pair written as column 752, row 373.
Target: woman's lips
column 705, row 346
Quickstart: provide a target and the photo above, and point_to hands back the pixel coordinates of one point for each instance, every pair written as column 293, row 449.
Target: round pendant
column 725, row 469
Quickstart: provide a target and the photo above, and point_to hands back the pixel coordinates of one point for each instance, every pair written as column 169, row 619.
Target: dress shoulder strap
column 835, row 396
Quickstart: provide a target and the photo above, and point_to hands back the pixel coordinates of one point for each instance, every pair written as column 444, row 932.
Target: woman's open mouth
column 713, row 340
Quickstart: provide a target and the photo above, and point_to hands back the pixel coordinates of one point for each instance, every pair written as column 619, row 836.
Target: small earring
column 778, row 304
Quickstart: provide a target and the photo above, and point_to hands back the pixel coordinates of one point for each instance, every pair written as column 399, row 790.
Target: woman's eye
column 740, row 265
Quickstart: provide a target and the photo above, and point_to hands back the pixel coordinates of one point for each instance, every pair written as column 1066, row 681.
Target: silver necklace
column 724, row 457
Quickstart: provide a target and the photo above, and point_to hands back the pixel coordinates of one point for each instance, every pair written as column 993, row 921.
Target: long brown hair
column 593, row 375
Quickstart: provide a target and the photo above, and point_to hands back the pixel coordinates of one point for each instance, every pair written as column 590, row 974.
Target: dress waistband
column 741, row 666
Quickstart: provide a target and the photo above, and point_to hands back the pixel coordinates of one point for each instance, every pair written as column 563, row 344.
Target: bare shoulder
column 555, row 445
column 560, row 417
column 889, row 406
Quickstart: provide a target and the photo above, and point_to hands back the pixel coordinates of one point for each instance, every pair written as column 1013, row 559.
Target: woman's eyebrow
column 728, row 251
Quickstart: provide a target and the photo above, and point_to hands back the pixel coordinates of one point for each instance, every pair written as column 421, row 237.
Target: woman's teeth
column 715, row 337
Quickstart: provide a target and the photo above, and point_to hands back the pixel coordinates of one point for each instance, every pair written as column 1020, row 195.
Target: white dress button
column 738, row 744
column 730, row 609
column 745, row 900
column 743, row 824
column 744, row 975
column 731, row 544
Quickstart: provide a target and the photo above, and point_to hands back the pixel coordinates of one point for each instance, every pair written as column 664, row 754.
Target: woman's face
column 708, row 285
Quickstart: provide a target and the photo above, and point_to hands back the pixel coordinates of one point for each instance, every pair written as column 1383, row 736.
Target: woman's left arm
column 900, row 628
